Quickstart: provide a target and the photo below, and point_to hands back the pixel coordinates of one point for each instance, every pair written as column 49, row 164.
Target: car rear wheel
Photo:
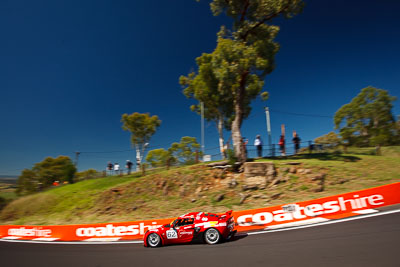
column 153, row 240
column 212, row 236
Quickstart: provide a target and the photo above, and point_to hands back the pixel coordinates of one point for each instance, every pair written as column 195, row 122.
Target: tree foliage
column 367, row 120
column 142, row 128
column 330, row 139
column 160, row 157
column 3, row 202
column 28, row 182
column 245, row 54
column 186, row 151
column 44, row 173
column 205, row 87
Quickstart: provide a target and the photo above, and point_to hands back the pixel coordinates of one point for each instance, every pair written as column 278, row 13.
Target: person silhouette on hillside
column 296, row 141
column 128, row 166
column 110, row 167
column 282, row 145
column 116, row 168
column 258, row 144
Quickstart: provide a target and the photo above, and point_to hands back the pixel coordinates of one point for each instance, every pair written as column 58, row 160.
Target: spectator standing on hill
column 129, row 166
column 225, row 149
column 258, row 144
column 110, row 167
column 282, row 145
column 296, row 141
column 116, row 168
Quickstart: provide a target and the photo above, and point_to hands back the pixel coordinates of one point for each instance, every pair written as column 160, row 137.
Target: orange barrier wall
column 333, row 207
column 329, row 207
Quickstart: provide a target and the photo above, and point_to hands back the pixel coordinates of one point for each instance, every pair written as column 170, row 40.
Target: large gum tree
column 245, row 54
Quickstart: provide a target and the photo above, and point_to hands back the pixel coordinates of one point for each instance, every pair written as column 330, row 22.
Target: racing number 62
column 171, row 234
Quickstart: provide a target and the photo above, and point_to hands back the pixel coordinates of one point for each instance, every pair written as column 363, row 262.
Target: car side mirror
column 167, row 225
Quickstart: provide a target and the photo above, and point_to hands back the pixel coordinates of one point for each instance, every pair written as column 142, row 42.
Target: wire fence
column 274, row 150
column 214, row 154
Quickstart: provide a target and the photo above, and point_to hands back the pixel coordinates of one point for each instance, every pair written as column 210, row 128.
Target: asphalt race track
column 373, row 241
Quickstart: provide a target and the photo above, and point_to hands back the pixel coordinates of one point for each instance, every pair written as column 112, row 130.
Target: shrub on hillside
column 45, row 173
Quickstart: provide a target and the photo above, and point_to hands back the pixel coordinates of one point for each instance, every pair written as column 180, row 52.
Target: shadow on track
column 200, row 241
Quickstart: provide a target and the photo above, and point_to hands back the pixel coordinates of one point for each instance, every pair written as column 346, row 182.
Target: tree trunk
column 240, row 151
column 237, row 140
column 220, row 128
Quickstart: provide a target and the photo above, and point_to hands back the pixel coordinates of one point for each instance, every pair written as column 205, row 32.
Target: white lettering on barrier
column 36, row 231
column 111, row 230
column 311, row 210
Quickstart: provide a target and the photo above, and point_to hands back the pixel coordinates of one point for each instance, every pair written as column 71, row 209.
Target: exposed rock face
column 258, row 174
column 318, row 176
column 218, row 164
column 278, row 180
column 232, row 183
column 276, row 196
column 243, row 197
column 249, row 187
column 258, row 168
column 220, row 197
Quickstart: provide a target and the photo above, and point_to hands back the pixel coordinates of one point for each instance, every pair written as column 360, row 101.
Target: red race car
column 207, row 227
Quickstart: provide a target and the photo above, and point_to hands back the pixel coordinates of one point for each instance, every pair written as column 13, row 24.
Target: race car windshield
column 185, row 221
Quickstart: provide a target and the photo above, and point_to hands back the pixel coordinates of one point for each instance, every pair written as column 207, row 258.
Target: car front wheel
column 153, row 240
column 212, row 236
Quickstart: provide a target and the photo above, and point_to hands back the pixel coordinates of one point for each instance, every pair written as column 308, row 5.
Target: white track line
column 107, row 239
column 11, row 237
column 367, row 211
column 73, row 242
column 253, row 233
column 48, row 239
column 293, row 224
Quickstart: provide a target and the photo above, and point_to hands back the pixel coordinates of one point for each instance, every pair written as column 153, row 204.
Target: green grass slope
column 194, row 188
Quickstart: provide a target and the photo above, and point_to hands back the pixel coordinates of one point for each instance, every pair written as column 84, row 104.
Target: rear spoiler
column 228, row 213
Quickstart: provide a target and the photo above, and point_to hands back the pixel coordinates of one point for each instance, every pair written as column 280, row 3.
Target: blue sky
column 70, row 69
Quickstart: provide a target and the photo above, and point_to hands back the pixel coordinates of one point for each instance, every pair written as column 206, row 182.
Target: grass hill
column 169, row 193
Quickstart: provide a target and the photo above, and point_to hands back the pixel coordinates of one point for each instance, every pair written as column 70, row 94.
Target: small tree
column 187, row 151
column 367, row 120
column 27, row 182
column 45, row 173
column 142, row 128
column 55, row 169
column 160, row 157
column 330, row 139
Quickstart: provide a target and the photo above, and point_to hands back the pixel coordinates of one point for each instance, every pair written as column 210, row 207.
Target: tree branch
column 246, row 6
column 269, row 17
